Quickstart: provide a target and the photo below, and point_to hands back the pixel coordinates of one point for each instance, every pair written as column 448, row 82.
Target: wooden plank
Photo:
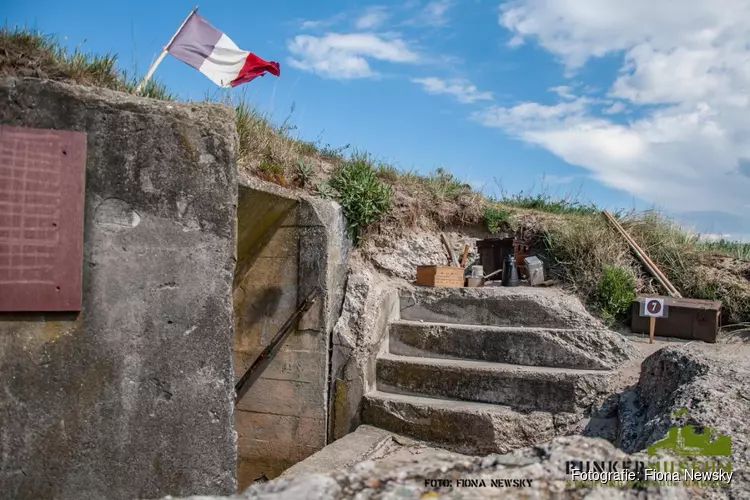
column 465, row 256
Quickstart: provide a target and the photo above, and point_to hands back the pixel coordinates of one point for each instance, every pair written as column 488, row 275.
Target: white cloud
column 346, row 56
column 434, row 14
column 462, row 90
column 319, row 24
column 564, row 91
column 691, row 60
column 614, row 109
column 373, row 18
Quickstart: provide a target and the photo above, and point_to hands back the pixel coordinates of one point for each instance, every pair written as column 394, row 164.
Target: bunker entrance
column 283, row 254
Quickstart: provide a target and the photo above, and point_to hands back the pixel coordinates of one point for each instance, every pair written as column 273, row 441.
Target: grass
column 29, row 53
column 584, row 251
column 616, row 291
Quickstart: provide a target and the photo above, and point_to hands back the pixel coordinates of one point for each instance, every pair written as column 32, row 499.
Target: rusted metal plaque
column 42, row 176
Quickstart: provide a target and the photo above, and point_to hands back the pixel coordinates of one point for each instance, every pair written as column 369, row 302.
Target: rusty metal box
column 689, row 319
column 440, row 276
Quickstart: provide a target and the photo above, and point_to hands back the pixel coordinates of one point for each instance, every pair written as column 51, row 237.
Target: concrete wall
column 131, row 398
column 359, row 335
column 287, row 247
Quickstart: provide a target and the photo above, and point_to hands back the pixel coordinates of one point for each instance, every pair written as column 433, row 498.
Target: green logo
column 686, row 442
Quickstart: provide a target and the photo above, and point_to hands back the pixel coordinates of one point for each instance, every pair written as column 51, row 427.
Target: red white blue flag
column 200, row 45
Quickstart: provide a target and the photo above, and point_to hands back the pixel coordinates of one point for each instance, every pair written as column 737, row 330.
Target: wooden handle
column 465, row 256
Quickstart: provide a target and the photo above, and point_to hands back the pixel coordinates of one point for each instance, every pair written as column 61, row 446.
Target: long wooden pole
column 653, row 268
column 656, row 268
column 163, row 53
column 643, row 257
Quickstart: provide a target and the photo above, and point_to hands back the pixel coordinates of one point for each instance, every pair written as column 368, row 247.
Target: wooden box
column 688, row 319
column 440, row 276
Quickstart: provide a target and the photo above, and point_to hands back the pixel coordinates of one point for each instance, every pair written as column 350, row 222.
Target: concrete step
column 520, row 387
column 518, row 345
column 496, row 306
column 461, row 426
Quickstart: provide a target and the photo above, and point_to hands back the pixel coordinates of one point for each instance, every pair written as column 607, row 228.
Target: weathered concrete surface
column 402, row 478
column 358, row 337
column 289, row 245
column 362, row 444
column 496, row 306
column 589, row 349
column 523, row 388
column 133, row 397
column 366, row 443
column 464, row 426
column 711, row 382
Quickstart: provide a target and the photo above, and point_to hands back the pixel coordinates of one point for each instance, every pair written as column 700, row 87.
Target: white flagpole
column 163, row 53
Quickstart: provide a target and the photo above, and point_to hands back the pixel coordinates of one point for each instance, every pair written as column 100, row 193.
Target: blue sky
column 632, row 104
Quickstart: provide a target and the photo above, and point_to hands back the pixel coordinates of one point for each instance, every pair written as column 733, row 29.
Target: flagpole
column 164, row 52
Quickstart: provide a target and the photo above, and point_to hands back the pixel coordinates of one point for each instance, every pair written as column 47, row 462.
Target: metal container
column 477, row 272
column 534, row 270
column 510, row 272
column 475, row 282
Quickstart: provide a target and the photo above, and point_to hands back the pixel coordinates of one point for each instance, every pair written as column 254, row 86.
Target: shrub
column 364, row 199
column 616, row 292
column 496, row 219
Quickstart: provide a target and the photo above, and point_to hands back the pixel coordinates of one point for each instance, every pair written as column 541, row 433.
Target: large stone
column 591, row 349
column 133, row 397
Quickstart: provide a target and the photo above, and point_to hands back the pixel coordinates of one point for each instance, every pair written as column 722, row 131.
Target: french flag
column 211, row 52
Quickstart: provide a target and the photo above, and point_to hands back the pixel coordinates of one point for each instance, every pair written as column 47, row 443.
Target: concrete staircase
column 481, row 389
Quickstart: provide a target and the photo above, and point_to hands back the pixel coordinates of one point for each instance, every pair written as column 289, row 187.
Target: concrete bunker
column 287, row 246
column 132, row 396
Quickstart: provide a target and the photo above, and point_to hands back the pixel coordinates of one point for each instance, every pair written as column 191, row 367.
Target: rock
column 711, row 383
column 544, row 466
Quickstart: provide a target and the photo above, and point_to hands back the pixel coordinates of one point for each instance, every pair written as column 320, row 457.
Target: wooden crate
column 688, row 319
column 440, row 276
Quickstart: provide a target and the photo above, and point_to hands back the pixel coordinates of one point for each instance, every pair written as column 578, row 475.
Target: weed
column 304, row 172
column 544, row 201
column 496, row 219
column 388, row 173
column 325, row 190
column 445, row 185
column 330, row 153
column 364, row 199
column 616, row 292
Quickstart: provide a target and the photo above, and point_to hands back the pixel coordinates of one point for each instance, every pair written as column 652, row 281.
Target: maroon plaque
column 42, row 176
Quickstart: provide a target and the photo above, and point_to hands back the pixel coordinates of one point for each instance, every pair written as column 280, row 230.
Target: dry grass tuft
column 29, row 53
